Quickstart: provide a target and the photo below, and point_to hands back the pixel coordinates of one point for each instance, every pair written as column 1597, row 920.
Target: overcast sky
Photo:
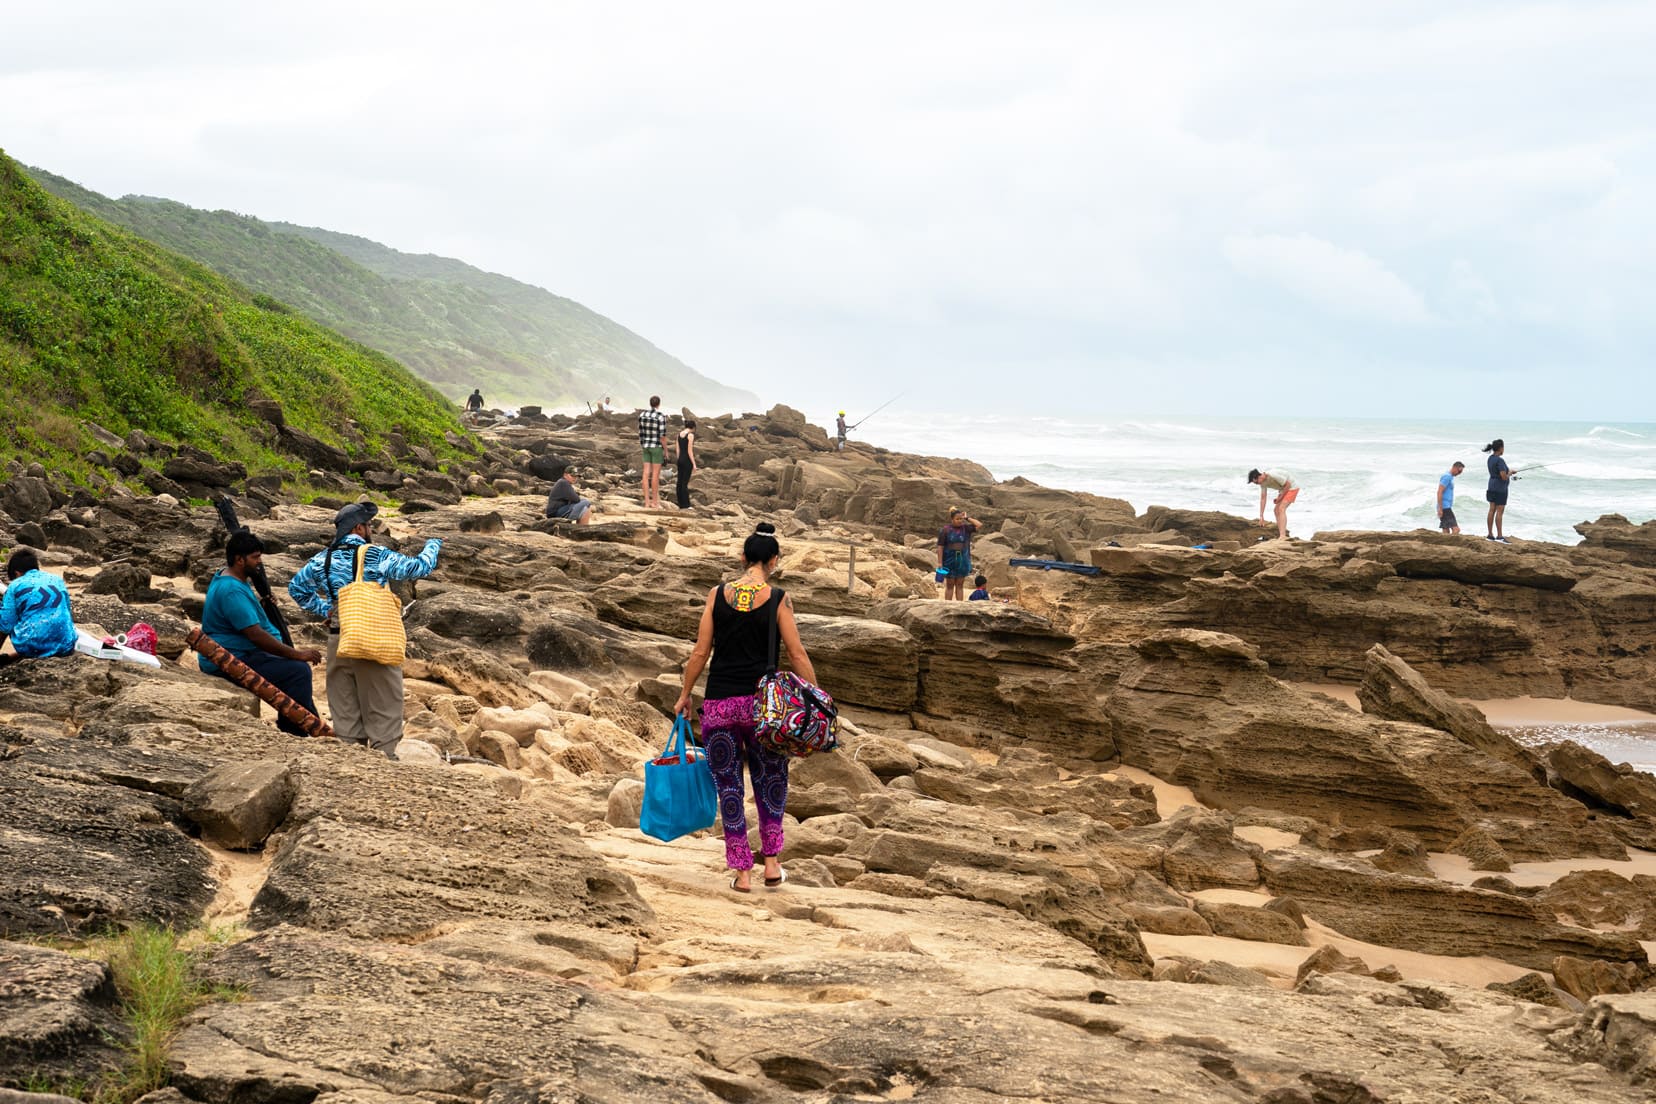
column 1313, row 208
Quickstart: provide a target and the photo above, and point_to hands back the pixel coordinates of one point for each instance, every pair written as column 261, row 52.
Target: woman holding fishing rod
column 1500, row 478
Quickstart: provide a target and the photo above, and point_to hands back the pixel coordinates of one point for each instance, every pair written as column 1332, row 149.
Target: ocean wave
column 1599, row 431
column 1367, row 474
column 1588, row 469
column 1603, row 443
column 1165, row 429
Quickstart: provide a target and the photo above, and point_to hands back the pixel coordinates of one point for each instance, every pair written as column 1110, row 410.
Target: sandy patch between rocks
column 1280, row 962
column 1454, row 868
column 1170, row 798
column 1513, row 712
column 240, row 875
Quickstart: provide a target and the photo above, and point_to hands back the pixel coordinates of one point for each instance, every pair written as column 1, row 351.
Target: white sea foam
column 1587, row 469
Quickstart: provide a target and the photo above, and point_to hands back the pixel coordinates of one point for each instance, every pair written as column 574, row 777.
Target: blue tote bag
column 678, row 788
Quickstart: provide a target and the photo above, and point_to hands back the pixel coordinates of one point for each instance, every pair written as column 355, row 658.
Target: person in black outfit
column 474, row 401
column 686, row 461
column 737, row 627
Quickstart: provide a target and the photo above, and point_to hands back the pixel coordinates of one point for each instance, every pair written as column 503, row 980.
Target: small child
column 981, row 594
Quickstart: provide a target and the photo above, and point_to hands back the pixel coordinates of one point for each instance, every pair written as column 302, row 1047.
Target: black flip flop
column 772, row 883
column 737, row 888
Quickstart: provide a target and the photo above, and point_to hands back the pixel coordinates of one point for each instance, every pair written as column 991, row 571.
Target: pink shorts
column 731, row 713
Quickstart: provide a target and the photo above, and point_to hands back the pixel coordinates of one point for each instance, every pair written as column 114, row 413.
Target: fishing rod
column 876, row 410
column 1527, row 467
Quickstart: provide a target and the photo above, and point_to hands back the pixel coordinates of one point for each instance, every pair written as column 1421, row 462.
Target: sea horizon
column 1355, row 473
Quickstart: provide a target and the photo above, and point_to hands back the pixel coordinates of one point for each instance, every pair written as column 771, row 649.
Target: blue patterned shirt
column 34, row 612
column 315, row 586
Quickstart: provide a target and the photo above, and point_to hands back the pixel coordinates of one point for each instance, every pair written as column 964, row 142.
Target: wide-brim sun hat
column 349, row 517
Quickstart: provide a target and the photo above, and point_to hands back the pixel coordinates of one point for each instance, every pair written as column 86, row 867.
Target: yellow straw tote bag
column 370, row 620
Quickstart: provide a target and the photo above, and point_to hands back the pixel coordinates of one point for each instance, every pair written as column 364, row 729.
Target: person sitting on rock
column 735, row 631
column 234, row 619
column 34, row 611
column 366, row 698
column 981, row 594
column 566, row 502
column 954, row 552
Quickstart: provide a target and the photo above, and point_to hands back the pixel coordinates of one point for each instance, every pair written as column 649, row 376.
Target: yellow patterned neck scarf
column 745, row 593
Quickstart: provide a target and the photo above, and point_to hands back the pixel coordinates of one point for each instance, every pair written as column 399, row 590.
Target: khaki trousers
column 366, row 701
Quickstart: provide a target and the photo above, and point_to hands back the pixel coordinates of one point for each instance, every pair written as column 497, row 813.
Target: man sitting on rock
column 34, row 611
column 234, row 618
column 565, row 502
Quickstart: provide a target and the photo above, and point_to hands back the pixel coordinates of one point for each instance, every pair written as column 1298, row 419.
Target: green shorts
column 655, row 455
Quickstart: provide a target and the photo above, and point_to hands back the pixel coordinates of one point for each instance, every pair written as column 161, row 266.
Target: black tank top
column 741, row 647
column 684, row 456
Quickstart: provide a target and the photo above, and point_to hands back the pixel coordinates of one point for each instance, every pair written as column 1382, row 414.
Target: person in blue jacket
column 34, row 611
column 364, row 697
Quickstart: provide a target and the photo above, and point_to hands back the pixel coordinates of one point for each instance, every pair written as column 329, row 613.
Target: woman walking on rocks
column 738, row 625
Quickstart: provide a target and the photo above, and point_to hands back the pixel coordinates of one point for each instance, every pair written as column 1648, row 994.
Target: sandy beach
column 1518, row 712
column 1620, row 734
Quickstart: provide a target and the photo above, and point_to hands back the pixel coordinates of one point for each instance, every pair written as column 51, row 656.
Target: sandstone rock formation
column 1202, row 709
column 997, row 888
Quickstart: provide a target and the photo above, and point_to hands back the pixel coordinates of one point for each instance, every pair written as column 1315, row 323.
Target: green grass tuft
column 158, row 989
column 155, row 978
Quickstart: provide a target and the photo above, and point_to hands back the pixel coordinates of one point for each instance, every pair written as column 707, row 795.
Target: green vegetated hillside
column 455, row 325
column 98, row 324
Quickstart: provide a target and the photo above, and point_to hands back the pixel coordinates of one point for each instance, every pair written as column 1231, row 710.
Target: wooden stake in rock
column 249, row 679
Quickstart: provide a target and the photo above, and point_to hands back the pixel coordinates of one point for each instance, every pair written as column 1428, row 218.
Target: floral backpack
column 792, row 716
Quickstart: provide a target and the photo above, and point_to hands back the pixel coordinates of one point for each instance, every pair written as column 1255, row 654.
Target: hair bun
column 765, row 527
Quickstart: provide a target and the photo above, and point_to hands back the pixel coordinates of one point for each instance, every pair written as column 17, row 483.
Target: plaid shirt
column 652, row 426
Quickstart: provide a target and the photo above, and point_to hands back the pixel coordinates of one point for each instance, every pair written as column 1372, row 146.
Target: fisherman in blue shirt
column 364, row 697
column 34, row 611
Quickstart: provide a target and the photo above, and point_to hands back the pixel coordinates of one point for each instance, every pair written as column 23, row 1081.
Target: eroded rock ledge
column 998, row 887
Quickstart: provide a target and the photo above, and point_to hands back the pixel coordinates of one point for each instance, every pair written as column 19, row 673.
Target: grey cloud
column 1129, row 206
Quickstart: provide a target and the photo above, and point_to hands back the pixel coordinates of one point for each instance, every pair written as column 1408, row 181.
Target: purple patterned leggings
column 727, row 734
